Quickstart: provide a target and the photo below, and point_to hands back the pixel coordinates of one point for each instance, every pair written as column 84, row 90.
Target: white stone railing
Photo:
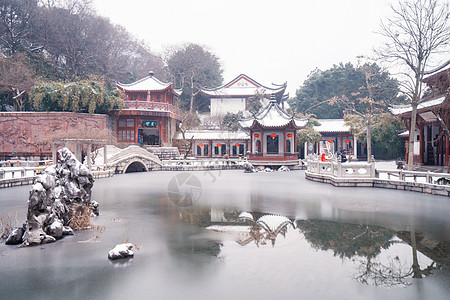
column 202, row 164
column 132, row 151
column 333, row 167
column 412, row 176
column 20, row 172
column 25, row 163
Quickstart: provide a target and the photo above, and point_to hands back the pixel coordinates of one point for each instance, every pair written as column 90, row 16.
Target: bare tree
column 190, row 121
column 16, row 77
column 15, row 23
column 368, row 106
column 417, row 31
column 191, row 68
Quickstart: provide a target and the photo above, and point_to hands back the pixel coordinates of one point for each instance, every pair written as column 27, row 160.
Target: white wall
column 223, row 105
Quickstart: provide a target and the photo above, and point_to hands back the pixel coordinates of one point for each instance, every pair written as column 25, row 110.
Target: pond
column 298, row 239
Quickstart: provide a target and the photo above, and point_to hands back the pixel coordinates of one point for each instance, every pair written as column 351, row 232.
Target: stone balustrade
column 333, row 167
column 363, row 174
column 201, row 164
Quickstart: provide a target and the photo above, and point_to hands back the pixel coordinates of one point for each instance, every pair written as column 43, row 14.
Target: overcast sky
column 270, row 41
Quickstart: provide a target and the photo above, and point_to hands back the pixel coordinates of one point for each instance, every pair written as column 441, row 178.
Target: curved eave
column 169, row 88
column 405, row 110
column 290, row 123
column 214, row 94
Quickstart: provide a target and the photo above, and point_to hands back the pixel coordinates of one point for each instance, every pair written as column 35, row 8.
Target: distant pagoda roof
column 149, row 83
column 273, row 116
column 244, row 86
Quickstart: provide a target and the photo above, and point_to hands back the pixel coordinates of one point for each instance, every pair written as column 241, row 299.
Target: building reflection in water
column 380, row 256
column 265, row 228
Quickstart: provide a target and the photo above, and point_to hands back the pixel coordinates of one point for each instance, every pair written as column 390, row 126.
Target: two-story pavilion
column 273, row 135
column 234, row 95
column 149, row 115
column 432, row 145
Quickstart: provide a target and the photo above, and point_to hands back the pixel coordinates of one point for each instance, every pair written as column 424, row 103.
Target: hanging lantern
column 256, row 135
column 364, row 144
column 237, row 145
column 273, row 135
column 219, row 145
column 201, row 145
column 330, row 141
column 289, row 135
column 347, row 141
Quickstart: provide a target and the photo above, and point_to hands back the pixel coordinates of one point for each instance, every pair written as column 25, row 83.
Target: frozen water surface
column 342, row 243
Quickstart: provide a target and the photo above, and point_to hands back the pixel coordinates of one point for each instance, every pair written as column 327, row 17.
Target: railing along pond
column 359, row 174
column 201, row 164
column 414, row 176
column 335, row 168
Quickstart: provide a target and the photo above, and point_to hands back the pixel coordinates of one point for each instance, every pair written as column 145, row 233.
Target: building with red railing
column 149, row 115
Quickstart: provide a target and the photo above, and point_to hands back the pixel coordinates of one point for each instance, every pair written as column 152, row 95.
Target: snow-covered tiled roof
column 404, row 134
column 243, row 85
column 401, row 109
column 214, row 135
column 273, row 116
column 149, row 83
column 332, row 125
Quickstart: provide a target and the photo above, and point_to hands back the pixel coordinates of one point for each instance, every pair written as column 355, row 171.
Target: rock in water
column 121, row 251
column 248, row 167
column 57, row 194
column 15, row 237
column 283, row 169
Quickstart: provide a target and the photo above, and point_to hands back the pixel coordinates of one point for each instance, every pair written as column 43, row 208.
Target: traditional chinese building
column 149, row 114
column 234, row 96
column 336, row 137
column 431, row 145
column 217, row 143
column 273, row 134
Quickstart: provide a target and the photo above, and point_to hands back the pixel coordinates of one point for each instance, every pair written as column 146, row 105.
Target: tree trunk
column 191, row 107
column 369, row 141
column 412, row 136
column 417, row 272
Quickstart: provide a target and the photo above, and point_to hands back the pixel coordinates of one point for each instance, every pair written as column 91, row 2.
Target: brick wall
column 29, row 133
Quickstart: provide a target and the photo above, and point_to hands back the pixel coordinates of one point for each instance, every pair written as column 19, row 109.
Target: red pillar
column 136, row 130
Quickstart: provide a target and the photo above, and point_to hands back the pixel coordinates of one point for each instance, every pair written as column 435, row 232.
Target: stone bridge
column 133, row 159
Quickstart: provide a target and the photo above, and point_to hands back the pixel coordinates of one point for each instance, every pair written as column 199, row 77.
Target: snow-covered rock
column 67, row 230
column 283, row 169
column 15, row 237
column 55, row 229
column 268, row 170
column 246, row 215
column 58, row 193
column 260, row 169
column 121, row 251
column 248, row 167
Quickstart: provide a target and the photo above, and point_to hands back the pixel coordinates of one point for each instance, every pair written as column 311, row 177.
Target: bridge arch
column 135, row 166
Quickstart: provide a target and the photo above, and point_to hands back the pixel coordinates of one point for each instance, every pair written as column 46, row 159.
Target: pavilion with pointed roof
column 149, row 114
column 273, row 135
column 234, row 95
